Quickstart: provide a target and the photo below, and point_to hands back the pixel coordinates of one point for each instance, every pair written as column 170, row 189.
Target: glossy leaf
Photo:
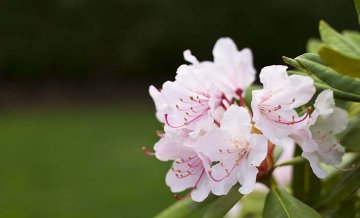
column 351, row 137
column 353, row 36
column 312, row 63
column 223, row 204
column 280, row 204
column 335, row 40
column 184, row 208
column 341, row 63
column 305, row 185
column 313, row 45
column 344, row 188
column 337, row 93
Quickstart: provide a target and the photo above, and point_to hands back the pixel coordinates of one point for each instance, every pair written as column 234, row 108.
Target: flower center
column 233, row 156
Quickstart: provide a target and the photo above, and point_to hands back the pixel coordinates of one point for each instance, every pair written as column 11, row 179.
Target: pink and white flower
column 274, row 106
column 232, row 71
column 237, row 69
column 187, row 171
column 190, row 98
column 234, row 152
column 326, row 121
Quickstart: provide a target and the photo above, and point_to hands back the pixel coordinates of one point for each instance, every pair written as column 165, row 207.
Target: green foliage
column 346, row 65
column 305, row 185
column 343, row 189
column 357, row 7
column 281, row 204
column 223, row 204
column 184, row 208
column 334, row 63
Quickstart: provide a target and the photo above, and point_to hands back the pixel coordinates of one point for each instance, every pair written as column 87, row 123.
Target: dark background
column 61, row 50
column 74, row 103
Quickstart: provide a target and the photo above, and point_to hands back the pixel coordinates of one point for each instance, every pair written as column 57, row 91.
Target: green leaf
column 350, row 138
column 293, row 62
column 321, row 86
column 313, row 64
column 335, row 40
column 348, row 208
column 353, row 36
column 343, row 189
column 184, row 208
column 305, row 185
column 341, row 63
column 337, row 93
column 313, row 45
column 252, row 205
column 357, row 7
column 223, row 204
column 280, row 204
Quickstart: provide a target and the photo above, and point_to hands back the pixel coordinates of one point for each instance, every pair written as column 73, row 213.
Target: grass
column 80, row 163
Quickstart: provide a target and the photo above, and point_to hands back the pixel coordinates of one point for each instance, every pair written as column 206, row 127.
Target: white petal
column 227, row 181
column 324, row 103
column 210, row 144
column 258, row 150
column 190, row 58
column 236, row 121
column 247, row 178
column 330, row 152
column 304, row 139
column 202, row 190
column 332, row 124
column 235, row 68
column 273, row 76
column 170, row 148
column 160, row 103
column 179, row 184
column 225, row 52
column 301, row 88
column 315, row 165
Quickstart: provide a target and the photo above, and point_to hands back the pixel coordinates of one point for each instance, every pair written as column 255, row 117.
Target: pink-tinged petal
column 247, row 177
column 177, row 184
column 202, row 190
column 301, row 88
column 273, row 76
column 315, row 164
column 160, row 104
column 190, row 58
column 225, row 52
column 324, row 103
column 237, row 122
column 170, row 148
column 235, row 69
column 259, row 148
column 221, row 181
column 330, row 152
column 211, row 144
column 303, row 138
column 332, row 124
column 276, row 133
column 246, row 74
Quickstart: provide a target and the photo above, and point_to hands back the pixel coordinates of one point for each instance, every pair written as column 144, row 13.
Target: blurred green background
column 74, row 74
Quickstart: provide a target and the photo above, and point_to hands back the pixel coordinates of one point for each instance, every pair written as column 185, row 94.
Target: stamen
column 239, row 92
column 177, row 197
column 217, row 123
column 185, row 124
column 148, row 153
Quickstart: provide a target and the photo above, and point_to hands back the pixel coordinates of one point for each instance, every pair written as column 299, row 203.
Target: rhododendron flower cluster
column 217, row 140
